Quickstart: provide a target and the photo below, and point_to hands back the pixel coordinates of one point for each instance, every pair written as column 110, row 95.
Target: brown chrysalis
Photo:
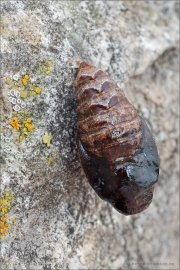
column 116, row 148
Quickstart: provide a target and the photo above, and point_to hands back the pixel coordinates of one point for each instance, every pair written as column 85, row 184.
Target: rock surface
column 59, row 222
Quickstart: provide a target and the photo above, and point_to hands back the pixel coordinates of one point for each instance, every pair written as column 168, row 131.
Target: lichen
column 37, row 90
column 14, row 123
column 24, row 86
column 22, row 124
column 51, row 160
column 10, row 83
column 28, row 125
column 5, row 207
column 24, row 80
column 20, row 138
column 47, row 139
column 45, row 66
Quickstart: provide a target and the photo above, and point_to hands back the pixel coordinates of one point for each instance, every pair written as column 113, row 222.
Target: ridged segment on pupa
column 116, row 148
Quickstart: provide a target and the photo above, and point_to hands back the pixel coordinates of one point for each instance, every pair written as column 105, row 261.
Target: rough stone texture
column 60, row 221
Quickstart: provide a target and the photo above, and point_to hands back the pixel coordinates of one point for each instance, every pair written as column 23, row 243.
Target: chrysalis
column 116, row 148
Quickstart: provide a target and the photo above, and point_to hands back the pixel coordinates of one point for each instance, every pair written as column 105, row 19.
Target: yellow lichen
column 3, row 231
column 30, row 127
column 47, row 139
column 37, row 90
column 26, row 88
column 3, row 210
column 34, row 89
column 24, row 84
column 24, row 80
column 3, row 218
column 1, row 225
column 20, row 138
column 28, row 124
column 5, row 206
column 25, row 127
column 28, row 120
column 14, row 123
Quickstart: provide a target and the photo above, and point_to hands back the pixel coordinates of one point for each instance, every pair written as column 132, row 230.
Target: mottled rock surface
column 59, row 222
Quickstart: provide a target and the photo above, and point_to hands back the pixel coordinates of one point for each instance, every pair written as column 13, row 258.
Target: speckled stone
column 60, row 221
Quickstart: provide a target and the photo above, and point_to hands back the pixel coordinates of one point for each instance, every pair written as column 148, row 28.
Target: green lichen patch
column 45, row 66
column 47, row 139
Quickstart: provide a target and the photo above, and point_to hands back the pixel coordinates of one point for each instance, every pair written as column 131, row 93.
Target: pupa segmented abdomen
column 116, row 148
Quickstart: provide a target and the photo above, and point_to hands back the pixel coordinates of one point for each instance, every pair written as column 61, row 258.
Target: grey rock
column 60, row 221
